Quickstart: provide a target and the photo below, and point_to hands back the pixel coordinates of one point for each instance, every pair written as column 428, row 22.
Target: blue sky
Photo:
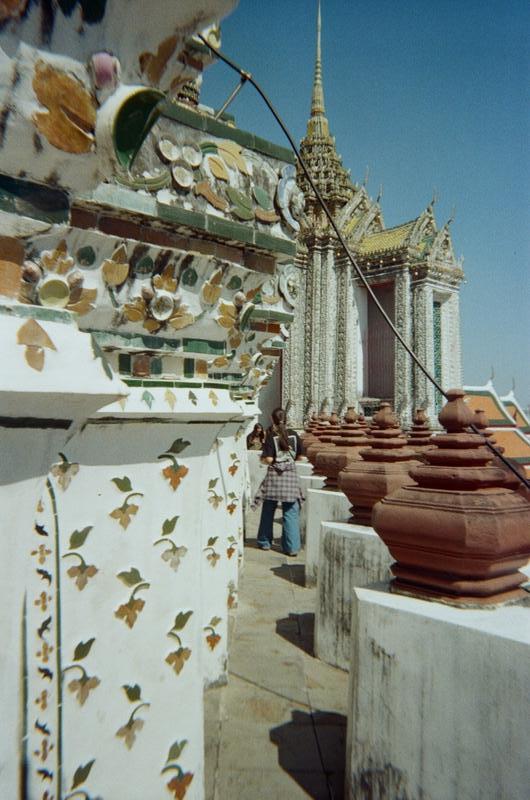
column 428, row 96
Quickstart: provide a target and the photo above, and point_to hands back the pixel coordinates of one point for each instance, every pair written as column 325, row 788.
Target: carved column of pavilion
column 293, row 360
column 422, row 301
column 451, row 341
column 402, row 360
column 326, row 343
column 345, row 344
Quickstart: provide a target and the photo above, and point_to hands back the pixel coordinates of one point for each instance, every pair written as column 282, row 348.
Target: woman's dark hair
column 258, row 431
column 279, row 419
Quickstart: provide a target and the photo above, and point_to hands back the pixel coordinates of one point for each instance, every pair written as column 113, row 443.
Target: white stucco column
column 51, row 380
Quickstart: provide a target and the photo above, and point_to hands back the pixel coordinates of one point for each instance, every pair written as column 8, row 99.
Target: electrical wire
column 247, row 77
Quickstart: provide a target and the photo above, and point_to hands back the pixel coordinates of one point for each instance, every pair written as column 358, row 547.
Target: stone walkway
column 278, row 730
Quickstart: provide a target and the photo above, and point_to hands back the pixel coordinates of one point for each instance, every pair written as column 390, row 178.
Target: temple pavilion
column 341, row 352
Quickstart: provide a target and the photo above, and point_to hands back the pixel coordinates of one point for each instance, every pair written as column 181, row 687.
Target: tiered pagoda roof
column 418, row 243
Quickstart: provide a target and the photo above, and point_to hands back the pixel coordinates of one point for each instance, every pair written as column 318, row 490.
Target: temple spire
column 318, row 146
column 317, row 101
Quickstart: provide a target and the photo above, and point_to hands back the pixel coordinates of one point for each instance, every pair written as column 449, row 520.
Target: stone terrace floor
column 278, row 729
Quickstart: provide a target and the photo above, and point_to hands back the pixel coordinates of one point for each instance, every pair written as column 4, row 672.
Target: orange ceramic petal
column 70, row 120
column 32, row 334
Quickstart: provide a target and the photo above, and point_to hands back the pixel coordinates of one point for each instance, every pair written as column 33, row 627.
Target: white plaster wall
column 439, row 700
column 270, row 396
column 361, row 303
column 21, row 481
column 451, row 342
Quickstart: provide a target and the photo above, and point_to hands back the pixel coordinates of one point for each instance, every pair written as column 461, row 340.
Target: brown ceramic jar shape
column 326, row 436
column 384, row 467
column 348, row 444
column 458, row 533
column 420, row 436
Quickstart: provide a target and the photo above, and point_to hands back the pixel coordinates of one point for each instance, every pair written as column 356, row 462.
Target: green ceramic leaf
column 234, row 283
column 211, row 541
column 86, row 256
column 208, row 147
column 193, row 397
column 77, row 539
column 130, row 578
column 233, row 456
column 83, row 649
column 178, row 446
column 123, row 484
column 189, row 277
column 144, row 266
column 169, row 526
column 232, row 495
column 262, row 198
column 215, row 621
column 239, row 199
column 134, row 693
column 181, row 620
column 176, row 749
column 212, row 483
column 243, row 213
column 81, row 774
column 148, row 399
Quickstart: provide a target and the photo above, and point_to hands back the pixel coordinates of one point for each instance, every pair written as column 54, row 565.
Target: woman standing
column 256, row 438
column 281, row 449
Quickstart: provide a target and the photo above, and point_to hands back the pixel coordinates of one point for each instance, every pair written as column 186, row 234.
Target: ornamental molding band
column 148, row 284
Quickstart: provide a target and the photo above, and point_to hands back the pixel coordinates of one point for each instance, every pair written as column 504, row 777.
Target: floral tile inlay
column 127, row 510
column 175, row 472
column 129, row 611
column 177, row 658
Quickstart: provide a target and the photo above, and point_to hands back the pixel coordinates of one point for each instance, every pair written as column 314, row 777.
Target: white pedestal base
column 439, row 700
column 308, row 482
column 323, row 505
column 350, row 556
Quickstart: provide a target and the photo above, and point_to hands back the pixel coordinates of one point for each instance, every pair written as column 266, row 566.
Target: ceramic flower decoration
column 160, row 305
column 55, row 283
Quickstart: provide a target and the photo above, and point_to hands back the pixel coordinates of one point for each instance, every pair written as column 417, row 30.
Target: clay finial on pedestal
column 350, row 416
column 326, row 437
column 420, row 436
column 348, row 445
column 384, row 467
column 309, row 437
column 458, row 533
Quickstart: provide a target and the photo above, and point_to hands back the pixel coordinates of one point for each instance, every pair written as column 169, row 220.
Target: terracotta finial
column 351, row 415
column 420, row 436
column 455, row 416
column 334, row 418
column 384, row 466
column 458, row 531
column 331, row 461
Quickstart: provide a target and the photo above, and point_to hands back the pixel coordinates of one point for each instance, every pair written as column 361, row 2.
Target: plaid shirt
column 281, row 483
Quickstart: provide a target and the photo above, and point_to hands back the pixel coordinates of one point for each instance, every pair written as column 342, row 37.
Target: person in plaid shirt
column 282, row 447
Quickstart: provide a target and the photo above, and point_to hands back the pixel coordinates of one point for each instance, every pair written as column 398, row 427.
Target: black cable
column 248, row 77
